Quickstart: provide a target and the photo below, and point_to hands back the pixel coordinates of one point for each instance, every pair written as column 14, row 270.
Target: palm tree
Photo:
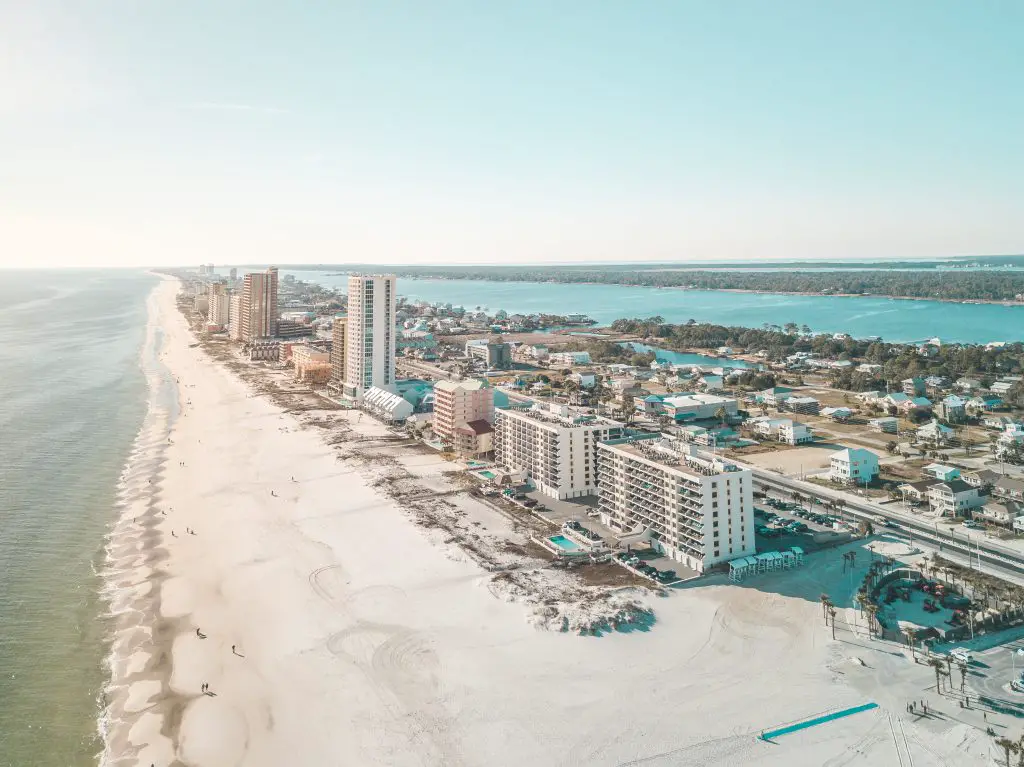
column 871, row 609
column 832, row 615
column 1008, row 747
column 911, row 637
column 825, row 601
column 962, row 668
column 936, row 663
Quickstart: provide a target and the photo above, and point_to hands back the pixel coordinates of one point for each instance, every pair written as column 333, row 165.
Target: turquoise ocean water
column 892, row 319
column 72, row 398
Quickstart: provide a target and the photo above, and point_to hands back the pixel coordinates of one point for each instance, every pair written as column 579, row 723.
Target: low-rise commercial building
column 568, row 359
column 886, row 425
column 387, row 406
column 495, row 353
column 803, row 405
column 695, row 507
column 698, row 407
column 311, row 365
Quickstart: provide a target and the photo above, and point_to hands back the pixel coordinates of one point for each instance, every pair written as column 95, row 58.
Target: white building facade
column 555, row 448
column 697, row 508
column 370, row 334
column 853, row 466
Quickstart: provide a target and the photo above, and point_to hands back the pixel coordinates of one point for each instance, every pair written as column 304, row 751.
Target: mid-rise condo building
column 463, row 415
column 553, row 447
column 695, row 506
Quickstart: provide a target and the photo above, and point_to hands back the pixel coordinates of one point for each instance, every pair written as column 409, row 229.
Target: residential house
column 793, row 433
column 1008, row 488
column 1010, row 442
column 869, row 368
column 916, row 493
column 896, row 399
column 853, row 466
column 584, row 380
column 916, row 403
column 886, row 425
column 954, row 498
column 942, row 472
column 934, row 433
column 952, row 409
column 913, row 387
column 867, row 397
column 1002, row 513
column 981, row 478
column 1001, row 388
column 776, row 395
column 839, row 414
column 712, row 383
column 936, row 383
column 998, row 422
column 983, row 404
column 968, row 385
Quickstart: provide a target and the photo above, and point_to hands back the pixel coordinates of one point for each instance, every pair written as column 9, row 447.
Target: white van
column 961, row 654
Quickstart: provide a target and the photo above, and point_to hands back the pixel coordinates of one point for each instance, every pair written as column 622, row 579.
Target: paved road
column 963, row 548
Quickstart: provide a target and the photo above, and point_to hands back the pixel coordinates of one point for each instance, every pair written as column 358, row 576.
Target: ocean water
column 892, row 319
column 72, row 398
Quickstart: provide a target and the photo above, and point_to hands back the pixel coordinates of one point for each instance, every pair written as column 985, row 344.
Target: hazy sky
column 180, row 131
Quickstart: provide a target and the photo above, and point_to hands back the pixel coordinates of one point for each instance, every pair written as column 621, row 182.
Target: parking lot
column 783, row 524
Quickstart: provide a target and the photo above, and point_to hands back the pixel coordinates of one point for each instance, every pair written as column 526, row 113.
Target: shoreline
column 164, row 584
column 357, row 606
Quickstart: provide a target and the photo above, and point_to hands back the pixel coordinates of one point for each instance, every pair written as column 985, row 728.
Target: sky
column 184, row 131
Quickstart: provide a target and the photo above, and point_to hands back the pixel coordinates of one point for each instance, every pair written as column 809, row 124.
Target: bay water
column 892, row 319
column 72, row 398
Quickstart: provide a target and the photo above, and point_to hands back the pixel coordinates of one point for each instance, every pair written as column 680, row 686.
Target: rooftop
column 681, row 457
column 562, row 416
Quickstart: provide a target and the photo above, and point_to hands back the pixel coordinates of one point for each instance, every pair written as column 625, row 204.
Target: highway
column 964, row 548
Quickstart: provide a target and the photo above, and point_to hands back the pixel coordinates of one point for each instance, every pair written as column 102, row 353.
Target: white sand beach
column 363, row 638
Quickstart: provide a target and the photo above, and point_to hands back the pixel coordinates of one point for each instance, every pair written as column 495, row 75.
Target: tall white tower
column 370, row 335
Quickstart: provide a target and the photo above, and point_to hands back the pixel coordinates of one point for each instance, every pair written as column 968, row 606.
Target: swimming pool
column 485, row 474
column 564, row 543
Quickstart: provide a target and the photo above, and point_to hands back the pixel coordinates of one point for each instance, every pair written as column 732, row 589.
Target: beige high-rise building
column 464, row 416
column 338, row 331
column 259, row 305
column 220, row 304
column 235, row 317
column 370, row 336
